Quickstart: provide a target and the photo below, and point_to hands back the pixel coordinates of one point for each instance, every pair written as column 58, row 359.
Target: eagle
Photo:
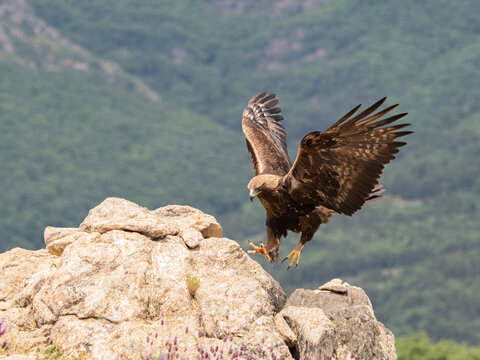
column 336, row 171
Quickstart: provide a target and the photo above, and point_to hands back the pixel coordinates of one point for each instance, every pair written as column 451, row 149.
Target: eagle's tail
column 376, row 193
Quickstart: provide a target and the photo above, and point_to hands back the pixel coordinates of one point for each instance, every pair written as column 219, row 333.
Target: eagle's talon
column 260, row 249
column 295, row 255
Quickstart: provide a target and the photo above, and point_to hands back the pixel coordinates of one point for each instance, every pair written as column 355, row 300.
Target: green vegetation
column 53, row 353
column 68, row 142
column 68, row 139
column 418, row 347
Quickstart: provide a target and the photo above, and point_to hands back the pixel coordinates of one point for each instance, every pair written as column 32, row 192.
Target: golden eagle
column 335, row 171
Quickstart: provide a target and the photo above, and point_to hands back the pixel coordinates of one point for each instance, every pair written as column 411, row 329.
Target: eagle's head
column 261, row 184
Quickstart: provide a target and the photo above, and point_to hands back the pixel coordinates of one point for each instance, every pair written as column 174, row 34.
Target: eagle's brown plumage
column 335, row 171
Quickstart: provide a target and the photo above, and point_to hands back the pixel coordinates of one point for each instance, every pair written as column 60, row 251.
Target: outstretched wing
column 266, row 137
column 340, row 167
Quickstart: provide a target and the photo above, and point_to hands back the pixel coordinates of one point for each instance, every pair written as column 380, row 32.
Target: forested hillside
column 143, row 100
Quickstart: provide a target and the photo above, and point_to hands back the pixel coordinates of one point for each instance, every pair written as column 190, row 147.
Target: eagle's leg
column 273, row 243
column 260, row 249
column 295, row 255
column 309, row 224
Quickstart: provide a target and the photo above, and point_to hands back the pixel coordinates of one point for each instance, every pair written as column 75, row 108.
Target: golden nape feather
column 335, row 171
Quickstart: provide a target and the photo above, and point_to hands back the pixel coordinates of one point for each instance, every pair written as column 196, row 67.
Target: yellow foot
column 259, row 250
column 295, row 255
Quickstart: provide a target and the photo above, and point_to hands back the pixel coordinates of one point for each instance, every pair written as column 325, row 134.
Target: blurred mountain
column 29, row 42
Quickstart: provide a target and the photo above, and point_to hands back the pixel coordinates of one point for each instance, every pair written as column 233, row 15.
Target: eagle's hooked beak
column 252, row 195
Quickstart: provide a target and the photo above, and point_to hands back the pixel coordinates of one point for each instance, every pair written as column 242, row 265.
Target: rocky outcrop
column 337, row 322
column 131, row 283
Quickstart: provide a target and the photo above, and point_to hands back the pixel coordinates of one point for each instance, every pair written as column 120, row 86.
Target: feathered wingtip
column 254, row 99
column 346, row 120
column 376, row 194
column 267, row 102
column 370, row 120
column 364, row 113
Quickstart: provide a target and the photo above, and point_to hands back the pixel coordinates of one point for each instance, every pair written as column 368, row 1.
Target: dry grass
column 193, row 283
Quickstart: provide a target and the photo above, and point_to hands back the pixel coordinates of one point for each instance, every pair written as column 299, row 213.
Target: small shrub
column 192, row 284
column 53, row 353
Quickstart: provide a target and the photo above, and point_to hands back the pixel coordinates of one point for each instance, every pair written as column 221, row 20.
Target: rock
column 121, row 214
column 116, row 288
column 333, row 325
column 24, row 273
column 116, row 282
column 182, row 217
column 191, row 237
column 334, row 285
column 57, row 239
column 288, row 336
column 314, row 331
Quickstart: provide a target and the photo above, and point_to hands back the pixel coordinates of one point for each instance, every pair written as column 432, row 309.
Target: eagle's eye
column 259, row 188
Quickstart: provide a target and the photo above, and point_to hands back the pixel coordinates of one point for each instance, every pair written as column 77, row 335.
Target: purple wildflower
column 2, row 331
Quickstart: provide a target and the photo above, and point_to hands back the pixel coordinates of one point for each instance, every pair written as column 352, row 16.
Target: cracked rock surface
column 337, row 322
column 116, row 288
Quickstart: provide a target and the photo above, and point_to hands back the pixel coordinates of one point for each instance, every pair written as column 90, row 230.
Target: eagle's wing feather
column 340, row 167
column 266, row 137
